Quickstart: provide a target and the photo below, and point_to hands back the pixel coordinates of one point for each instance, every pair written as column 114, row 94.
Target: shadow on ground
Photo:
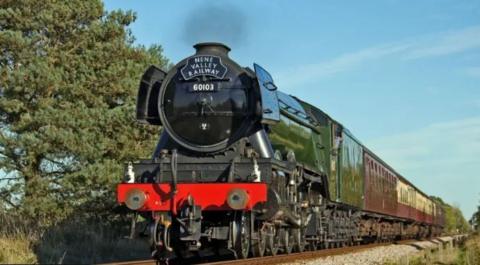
column 89, row 243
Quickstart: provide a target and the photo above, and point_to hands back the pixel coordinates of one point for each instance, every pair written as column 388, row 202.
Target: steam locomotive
column 245, row 169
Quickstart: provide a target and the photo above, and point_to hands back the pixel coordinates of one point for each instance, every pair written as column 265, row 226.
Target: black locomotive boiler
column 243, row 168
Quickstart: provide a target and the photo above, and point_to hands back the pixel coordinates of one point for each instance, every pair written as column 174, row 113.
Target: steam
column 218, row 22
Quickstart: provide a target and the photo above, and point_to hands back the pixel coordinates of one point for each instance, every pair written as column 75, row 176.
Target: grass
column 16, row 249
column 471, row 251
column 16, row 241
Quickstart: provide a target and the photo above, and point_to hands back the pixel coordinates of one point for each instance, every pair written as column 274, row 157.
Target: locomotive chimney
column 212, row 48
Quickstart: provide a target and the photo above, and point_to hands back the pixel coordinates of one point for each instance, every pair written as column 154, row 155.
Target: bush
column 471, row 253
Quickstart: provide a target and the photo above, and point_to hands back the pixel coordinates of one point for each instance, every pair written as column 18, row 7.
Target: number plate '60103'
column 208, row 87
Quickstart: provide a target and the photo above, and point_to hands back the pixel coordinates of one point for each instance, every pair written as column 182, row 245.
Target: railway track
column 284, row 258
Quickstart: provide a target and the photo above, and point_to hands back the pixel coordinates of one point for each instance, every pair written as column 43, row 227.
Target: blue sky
column 403, row 76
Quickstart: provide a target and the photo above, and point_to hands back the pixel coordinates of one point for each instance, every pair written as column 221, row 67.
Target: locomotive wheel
column 241, row 234
column 287, row 240
column 312, row 245
column 298, row 239
column 328, row 245
column 259, row 242
column 272, row 242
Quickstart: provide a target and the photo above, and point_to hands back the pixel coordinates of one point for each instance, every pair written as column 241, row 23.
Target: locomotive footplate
column 228, row 168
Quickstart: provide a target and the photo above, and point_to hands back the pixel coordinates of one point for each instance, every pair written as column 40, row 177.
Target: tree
column 454, row 220
column 68, row 78
column 475, row 220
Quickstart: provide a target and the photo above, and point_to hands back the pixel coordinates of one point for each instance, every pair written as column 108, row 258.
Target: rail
column 283, row 258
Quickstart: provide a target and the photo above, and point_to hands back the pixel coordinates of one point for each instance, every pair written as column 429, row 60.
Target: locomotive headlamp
column 136, row 198
column 237, row 199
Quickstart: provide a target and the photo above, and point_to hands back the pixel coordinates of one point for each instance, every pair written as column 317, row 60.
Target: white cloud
column 452, row 142
column 447, row 43
column 438, row 44
column 442, row 158
column 341, row 63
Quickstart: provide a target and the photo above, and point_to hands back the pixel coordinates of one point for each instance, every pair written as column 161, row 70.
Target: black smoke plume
column 219, row 22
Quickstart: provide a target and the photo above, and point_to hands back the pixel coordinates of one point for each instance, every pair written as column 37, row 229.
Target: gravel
column 374, row 256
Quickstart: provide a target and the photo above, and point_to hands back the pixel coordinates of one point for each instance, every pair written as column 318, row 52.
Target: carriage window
column 377, row 176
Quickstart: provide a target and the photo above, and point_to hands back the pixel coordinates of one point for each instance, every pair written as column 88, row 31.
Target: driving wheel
column 259, row 239
column 271, row 242
column 287, row 240
column 241, row 234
